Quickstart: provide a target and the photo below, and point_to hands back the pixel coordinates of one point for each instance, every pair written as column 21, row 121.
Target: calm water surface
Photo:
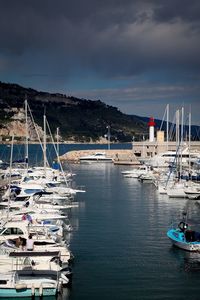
column 120, row 244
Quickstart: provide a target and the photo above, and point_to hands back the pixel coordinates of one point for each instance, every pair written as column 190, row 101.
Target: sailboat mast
column 177, row 142
column 167, row 126
column 57, row 135
column 44, row 143
column 27, row 137
column 181, row 143
column 189, row 142
column 177, row 127
column 9, row 183
column 108, row 127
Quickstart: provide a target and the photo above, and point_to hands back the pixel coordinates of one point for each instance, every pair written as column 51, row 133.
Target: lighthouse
column 151, row 125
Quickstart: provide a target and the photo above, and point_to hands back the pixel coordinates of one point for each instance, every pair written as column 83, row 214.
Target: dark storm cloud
column 185, row 10
column 107, row 37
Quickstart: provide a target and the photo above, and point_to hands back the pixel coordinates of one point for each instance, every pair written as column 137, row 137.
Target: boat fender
column 41, row 290
column 60, row 286
column 33, row 290
column 20, row 286
column 182, row 226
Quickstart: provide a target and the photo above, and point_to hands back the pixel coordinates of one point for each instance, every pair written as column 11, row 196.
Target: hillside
column 79, row 120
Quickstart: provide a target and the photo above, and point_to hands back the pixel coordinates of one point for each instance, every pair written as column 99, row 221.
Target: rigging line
column 57, row 154
column 37, row 131
column 172, row 127
column 163, row 118
column 35, row 127
column 174, row 163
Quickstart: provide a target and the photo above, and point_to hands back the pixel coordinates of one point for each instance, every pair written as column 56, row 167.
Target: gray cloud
column 50, row 44
column 187, row 11
column 108, row 37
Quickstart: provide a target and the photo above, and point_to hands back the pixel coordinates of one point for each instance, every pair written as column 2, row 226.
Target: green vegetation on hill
column 78, row 119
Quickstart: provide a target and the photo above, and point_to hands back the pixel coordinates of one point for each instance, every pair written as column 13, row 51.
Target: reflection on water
column 186, row 261
column 192, row 262
column 65, row 294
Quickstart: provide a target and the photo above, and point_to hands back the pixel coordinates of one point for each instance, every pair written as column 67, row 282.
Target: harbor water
column 119, row 239
column 120, row 245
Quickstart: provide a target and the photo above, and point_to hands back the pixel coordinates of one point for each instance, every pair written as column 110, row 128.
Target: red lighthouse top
column 151, row 122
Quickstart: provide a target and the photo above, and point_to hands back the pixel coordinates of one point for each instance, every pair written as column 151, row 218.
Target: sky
column 136, row 55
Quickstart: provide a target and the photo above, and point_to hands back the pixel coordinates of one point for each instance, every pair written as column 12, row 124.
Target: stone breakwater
column 117, row 155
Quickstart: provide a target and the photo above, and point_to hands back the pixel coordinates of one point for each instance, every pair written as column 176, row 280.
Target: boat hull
column 95, row 159
column 178, row 239
column 25, row 292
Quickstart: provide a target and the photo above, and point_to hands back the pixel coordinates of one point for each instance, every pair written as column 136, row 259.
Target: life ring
column 182, row 226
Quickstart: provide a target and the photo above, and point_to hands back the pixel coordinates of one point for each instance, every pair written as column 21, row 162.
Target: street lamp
column 108, row 135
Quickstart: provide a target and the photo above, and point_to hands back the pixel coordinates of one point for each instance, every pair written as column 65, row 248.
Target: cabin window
column 10, row 231
column 7, row 231
column 26, row 179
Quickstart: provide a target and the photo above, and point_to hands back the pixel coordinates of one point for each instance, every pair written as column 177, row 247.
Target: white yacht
column 193, row 191
column 30, row 274
column 44, row 238
column 165, row 159
column 136, row 172
column 97, row 157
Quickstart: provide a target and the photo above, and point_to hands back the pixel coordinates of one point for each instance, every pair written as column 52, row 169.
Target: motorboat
column 193, row 191
column 96, row 157
column 136, row 172
column 45, row 239
column 149, row 177
column 28, row 277
column 167, row 158
column 184, row 238
column 36, row 258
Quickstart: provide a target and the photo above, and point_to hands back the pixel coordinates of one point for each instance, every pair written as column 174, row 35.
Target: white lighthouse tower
column 151, row 125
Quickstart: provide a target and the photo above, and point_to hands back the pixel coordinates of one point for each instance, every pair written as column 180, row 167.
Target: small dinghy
column 184, row 238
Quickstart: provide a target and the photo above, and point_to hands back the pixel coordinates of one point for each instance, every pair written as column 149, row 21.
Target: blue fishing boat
column 184, row 238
